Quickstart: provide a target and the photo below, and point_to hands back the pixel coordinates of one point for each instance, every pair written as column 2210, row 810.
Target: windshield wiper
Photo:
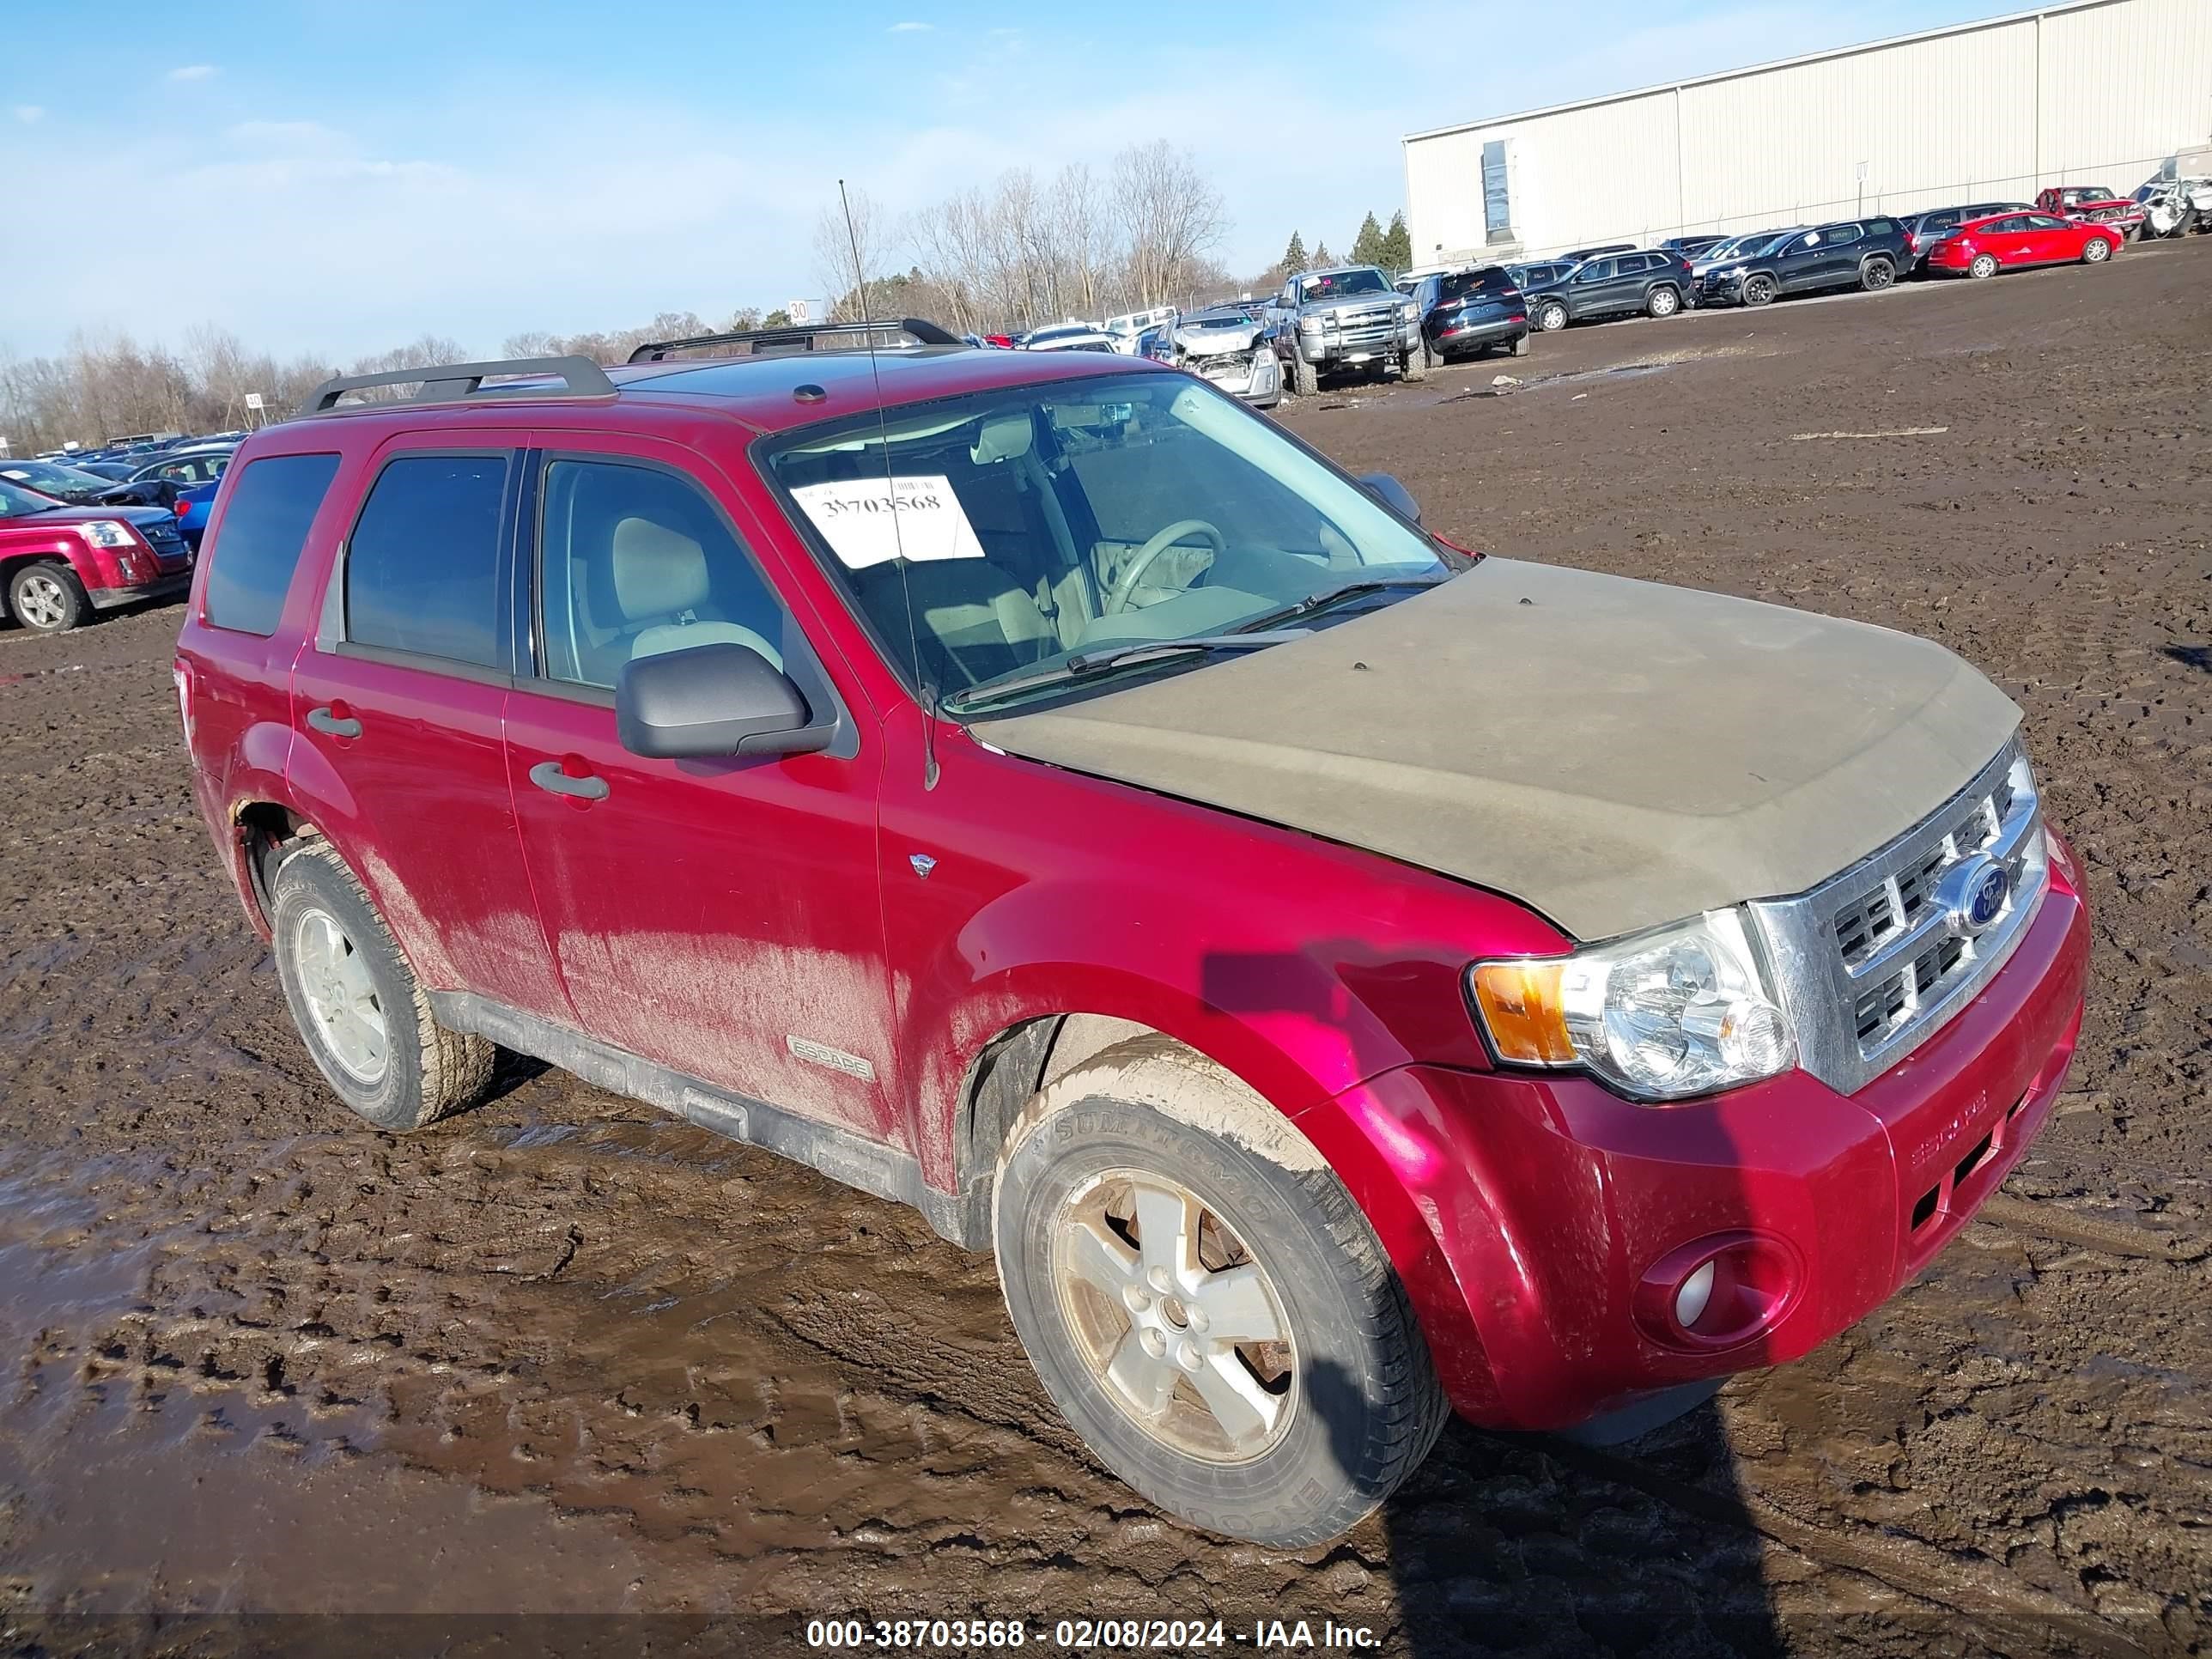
column 1084, row 665
column 1329, row 596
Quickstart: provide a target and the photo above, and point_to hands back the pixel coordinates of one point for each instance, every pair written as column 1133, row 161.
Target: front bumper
column 1545, row 1202
column 1256, row 377
column 1342, row 348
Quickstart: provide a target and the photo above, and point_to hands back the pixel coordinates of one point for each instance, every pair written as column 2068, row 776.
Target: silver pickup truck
column 1345, row 318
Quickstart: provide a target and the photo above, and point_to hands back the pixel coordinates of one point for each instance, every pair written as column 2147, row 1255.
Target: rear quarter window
column 272, row 503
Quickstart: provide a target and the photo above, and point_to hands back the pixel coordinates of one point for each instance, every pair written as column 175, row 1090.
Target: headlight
column 1311, row 324
column 1409, row 313
column 109, row 532
column 1683, row 1010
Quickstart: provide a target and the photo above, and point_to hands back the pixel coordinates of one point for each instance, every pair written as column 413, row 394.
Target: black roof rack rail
column 580, row 378
column 798, row 337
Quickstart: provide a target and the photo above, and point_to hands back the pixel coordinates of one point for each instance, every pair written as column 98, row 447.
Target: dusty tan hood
column 1615, row 753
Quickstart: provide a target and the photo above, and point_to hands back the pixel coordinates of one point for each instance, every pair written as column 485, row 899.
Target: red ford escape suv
column 1039, row 790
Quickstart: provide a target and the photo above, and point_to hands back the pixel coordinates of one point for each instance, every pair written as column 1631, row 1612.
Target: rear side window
column 265, row 525
column 422, row 567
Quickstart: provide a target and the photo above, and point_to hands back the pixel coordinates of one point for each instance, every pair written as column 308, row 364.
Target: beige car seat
column 652, row 594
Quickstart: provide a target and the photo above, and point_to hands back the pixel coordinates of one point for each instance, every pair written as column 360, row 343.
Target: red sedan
column 1985, row 247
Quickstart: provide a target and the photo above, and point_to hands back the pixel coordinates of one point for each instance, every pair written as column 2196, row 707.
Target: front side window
column 634, row 561
column 991, row 537
column 1597, row 270
column 272, row 505
column 422, row 571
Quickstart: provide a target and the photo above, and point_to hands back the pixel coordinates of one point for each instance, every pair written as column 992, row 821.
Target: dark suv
column 1613, row 285
column 1866, row 254
column 1469, row 312
column 1034, row 787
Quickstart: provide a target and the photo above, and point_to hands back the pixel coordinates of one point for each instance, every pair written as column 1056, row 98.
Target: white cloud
column 30, row 114
column 911, row 28
column 191, row 72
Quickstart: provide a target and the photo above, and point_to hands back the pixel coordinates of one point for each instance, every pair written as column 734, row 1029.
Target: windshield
column 17, row 502
column 1031, row 524
column 1339, row 283
column 64, row 483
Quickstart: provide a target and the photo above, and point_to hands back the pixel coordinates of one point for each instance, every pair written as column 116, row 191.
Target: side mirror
column 1392, row 494
column 718, row 699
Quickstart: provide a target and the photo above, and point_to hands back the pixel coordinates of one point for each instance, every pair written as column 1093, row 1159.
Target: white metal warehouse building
column 2092, row 92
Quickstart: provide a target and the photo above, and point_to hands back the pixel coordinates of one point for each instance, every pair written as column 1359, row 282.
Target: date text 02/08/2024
column 1082, row 1635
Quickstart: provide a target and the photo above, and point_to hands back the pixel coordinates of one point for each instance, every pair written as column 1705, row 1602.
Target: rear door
column 720, row 917
column 398, row 702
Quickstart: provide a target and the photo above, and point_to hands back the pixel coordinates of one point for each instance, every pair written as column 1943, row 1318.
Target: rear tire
column 1551, row 316
column 1877, row 274
column 1662, row 302
column 365, row 1020
column 1305, row 379
column 1983, row 267
column 46, row 597
column 1520, row 346
column 1285, row 1439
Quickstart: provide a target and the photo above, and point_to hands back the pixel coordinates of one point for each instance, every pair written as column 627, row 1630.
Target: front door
column 397, row 704
column 1590, row 290
column 720, row 917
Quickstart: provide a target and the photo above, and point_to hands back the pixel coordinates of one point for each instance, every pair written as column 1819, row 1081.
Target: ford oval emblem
column 1972, row 894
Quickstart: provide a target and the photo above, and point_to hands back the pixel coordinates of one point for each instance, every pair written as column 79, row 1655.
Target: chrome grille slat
column 1869, row 962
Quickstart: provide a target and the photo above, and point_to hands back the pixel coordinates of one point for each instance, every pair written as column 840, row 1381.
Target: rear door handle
column 549, row 776
column 336, row 725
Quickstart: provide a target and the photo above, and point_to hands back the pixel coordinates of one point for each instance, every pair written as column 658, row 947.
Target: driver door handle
column 549, row 776
column 329, row 721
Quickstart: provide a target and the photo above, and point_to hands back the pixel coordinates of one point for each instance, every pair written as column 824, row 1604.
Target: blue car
column 193, row 508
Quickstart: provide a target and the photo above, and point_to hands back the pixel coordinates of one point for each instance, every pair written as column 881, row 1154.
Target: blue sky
column 344, row 177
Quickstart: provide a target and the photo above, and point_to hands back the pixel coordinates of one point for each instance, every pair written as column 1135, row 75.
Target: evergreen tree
column 1322, row 256
column 1367, row 246
column 1397, row 246
column 1294, row 256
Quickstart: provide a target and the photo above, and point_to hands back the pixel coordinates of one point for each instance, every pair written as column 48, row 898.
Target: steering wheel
column 1118, row 600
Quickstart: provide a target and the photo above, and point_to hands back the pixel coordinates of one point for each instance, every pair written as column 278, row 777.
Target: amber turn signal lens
column 1520, row 1005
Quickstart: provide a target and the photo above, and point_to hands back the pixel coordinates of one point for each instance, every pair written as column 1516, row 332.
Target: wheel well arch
column 265, row 829
column 1024, row 1060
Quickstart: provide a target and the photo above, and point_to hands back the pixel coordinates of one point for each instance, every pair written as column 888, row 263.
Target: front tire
column 366, row 1022
column 1415, row 365
column 2096, row 251
column 1983, row 267
column 1206, row 1305
column 1306, row 378
column 1662, row 302
column 46, row 597
column 1551, row 316
column 1877, row 274
column 1758, row 289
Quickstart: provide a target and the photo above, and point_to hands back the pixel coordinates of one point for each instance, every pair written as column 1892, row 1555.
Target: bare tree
column 1174, row 217
column 1089, row 242
column 870, row 234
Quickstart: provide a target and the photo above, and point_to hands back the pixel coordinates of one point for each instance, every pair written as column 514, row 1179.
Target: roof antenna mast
column 890, row 491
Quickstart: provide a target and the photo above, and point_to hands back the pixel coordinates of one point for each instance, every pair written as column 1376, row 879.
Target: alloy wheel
column 40, row 603
column 341, row 996
column 1179, row 1325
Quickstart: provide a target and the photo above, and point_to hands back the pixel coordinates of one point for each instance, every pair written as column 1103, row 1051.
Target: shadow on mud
column 1537, row 1545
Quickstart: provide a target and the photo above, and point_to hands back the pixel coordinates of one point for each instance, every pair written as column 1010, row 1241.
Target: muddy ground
column 566, row 1356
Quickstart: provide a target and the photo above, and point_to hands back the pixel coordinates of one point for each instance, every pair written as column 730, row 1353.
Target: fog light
column 1690, row 1302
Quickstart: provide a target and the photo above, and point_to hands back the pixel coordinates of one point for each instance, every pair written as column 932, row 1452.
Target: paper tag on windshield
column 873, row 521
